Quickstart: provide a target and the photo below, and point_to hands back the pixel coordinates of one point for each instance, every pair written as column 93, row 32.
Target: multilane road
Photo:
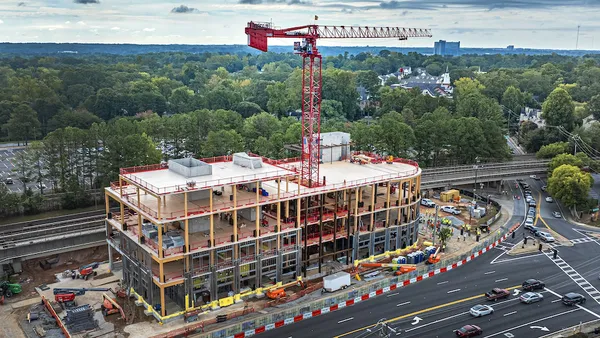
column 437, row 306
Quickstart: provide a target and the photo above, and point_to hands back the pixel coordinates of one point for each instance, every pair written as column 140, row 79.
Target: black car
column 573, row 298
column 533, row 284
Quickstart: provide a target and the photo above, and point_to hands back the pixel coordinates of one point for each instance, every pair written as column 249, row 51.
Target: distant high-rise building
column 444, row 48
column 510, row 47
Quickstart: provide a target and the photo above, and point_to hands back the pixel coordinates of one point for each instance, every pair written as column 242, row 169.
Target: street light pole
column 476, row 167
column 435, row 221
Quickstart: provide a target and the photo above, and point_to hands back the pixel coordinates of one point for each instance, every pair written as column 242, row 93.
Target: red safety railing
column 59, row 322
column 142, row 168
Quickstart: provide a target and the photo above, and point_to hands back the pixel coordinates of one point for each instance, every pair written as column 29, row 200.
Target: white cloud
column 1, row 21
column 67, row 22
column 149, row 29
column 81, row 23
column 115, row 28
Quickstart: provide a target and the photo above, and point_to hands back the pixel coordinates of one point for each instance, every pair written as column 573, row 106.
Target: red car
column 496, row 294
column 469, row 331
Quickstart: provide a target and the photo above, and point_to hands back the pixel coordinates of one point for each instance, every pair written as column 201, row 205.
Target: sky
column 475, row 23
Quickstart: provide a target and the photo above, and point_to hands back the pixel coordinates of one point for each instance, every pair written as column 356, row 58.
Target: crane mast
column 258, row 34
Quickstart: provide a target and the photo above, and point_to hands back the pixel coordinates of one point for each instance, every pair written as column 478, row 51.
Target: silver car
column 531, row 297
column 546, row 237
column 481, row 310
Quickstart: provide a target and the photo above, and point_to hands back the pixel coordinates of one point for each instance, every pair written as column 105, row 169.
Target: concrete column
column 110, row 258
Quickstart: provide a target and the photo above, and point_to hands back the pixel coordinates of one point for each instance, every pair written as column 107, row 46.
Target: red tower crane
column 259, row 32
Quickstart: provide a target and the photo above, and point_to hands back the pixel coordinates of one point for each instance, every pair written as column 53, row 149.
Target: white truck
column 337, row 281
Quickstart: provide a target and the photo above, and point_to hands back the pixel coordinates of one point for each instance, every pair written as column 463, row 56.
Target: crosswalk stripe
column 575, row 276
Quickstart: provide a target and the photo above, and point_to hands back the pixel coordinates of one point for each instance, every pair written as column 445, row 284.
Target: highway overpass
column 41, row 238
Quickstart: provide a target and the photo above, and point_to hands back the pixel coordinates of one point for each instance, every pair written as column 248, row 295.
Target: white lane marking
column 510, row 313
column 575, row 276
column 345, row 320
column 578, row 306
column 405, row 303
column 557, row 300
column 437, row 321
column 393, row 294
column 452, row 291
column 489, row 272
column 513, row 259
column 532, row 322
column 440, row 283
column 501, row 280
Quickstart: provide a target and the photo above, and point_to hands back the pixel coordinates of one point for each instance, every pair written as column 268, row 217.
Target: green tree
column 393, row 99
column 558, row 109
column 444, row 234
column 180, row 100
column 394, row 136
column 553, row 149
column 35, row 157
column 81, row 119
column 247, row 109
column 570, row 185
column 223, row 142
column 593, row 107
column 23, row 124
column 23, row 168
column 561, row 159
column 465, row 85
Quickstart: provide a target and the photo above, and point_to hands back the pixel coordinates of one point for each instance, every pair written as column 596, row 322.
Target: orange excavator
column 277, row 292
column 399, row 268
column 110, row 306
column 435, row 258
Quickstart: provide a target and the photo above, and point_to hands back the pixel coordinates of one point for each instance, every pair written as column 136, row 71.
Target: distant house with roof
column 434, row 86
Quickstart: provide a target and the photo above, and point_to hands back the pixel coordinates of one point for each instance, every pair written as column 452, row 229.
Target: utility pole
column 476, row 167
column 435, row 221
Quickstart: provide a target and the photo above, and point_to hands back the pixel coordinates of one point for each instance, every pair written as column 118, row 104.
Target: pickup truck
column 496, row 294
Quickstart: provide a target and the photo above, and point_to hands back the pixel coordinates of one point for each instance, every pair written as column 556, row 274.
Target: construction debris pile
column 80, row 319
column 39, row 323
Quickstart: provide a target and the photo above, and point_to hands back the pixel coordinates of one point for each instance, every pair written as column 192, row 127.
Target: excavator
column 277, row 292
column 435, row 258
column 399, row 268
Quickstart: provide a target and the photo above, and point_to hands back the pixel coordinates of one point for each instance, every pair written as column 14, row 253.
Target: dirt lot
column 33, row 275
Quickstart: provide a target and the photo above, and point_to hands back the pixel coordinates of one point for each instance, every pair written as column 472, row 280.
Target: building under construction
column 194, row 231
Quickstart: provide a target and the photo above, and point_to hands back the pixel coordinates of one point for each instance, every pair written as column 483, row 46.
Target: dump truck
column 337, row 281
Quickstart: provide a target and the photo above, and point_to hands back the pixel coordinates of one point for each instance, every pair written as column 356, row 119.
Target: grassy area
column 48, row 214
column 492, row 211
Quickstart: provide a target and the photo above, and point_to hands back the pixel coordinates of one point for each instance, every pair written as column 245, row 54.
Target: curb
column 370, row 295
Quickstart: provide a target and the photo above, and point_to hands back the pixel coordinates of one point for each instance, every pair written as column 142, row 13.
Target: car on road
column 496, row 294
column 40, row 186
column 529, row 224
column 469, row 331
column 556, row 214
column 573, row 298
column 534, row 177
column 546, row 237
column 531, row 213
column 531, row 297
column 532, row 203
column 533, row 284
column 8, row 180
column 549, row 199
column 427, row 202
column 450, row 209
column 544, row 188
column 481, row 310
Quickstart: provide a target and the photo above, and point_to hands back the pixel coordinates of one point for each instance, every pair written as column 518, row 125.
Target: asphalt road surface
column 437, row 306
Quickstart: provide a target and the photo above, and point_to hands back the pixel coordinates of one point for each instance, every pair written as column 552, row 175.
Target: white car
column 450, row 209
column 531, row 297
column 40, row 186
column 557, row 214
column 427, row 202
column 481, row 310
column 549, row 199
column 534, row 177
column 546, row 237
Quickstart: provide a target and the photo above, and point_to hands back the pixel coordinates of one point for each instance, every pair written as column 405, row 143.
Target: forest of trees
column 85, row 117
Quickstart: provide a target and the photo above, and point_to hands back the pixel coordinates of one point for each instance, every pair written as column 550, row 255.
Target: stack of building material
column 81, row 319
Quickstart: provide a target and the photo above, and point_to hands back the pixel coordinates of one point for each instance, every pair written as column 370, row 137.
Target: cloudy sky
column 476, row 23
